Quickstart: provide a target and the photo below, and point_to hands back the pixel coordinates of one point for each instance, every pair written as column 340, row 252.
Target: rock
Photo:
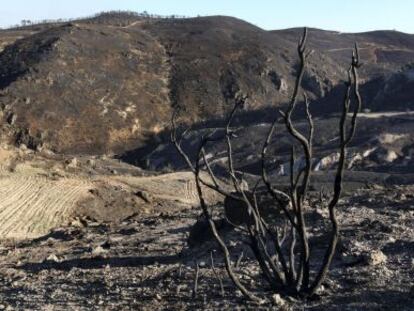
column 320, row 290
column 375, row 258
column 144, row 195
column 23, row 147
column 388, row 138
column 72, row 163
column 47, row 151
column 23, row 136
column 393, row 240
column 278, row 81
column 91, row 162
column 106, row 245
column 327, row 162
column 390, row 156
column 78, row 222
column 99, row 250
column 383, row 154
column 54, row 258
column 11, row 118
column 278, row 300
column 400, row 197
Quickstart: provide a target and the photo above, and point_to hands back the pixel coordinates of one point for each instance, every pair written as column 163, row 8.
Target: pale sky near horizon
column 340, row 15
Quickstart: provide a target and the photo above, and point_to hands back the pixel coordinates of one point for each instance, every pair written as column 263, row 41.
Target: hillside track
column 178, row 187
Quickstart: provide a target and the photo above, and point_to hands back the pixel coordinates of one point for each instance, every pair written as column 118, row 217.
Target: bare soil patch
column 145, row 262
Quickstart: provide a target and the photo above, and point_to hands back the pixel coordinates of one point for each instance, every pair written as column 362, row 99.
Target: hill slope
column 101, row 85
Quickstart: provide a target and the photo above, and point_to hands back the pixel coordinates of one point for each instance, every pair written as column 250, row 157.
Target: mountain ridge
column 105, row 84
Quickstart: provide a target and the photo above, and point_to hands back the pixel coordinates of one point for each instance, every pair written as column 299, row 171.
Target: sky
column 340, row 15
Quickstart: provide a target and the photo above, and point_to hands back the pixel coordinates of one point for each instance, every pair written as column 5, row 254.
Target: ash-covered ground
column 96, row 233
column 146, row 263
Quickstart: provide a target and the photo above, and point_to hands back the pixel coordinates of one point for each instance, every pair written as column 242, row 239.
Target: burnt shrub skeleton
column 282, row 252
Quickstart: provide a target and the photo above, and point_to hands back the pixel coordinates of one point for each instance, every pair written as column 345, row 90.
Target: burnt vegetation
column 271, row 221
column 113, row 78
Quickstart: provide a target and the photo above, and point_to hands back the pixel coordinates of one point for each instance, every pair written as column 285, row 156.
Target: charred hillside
column 86, row 87
column 105, row 84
